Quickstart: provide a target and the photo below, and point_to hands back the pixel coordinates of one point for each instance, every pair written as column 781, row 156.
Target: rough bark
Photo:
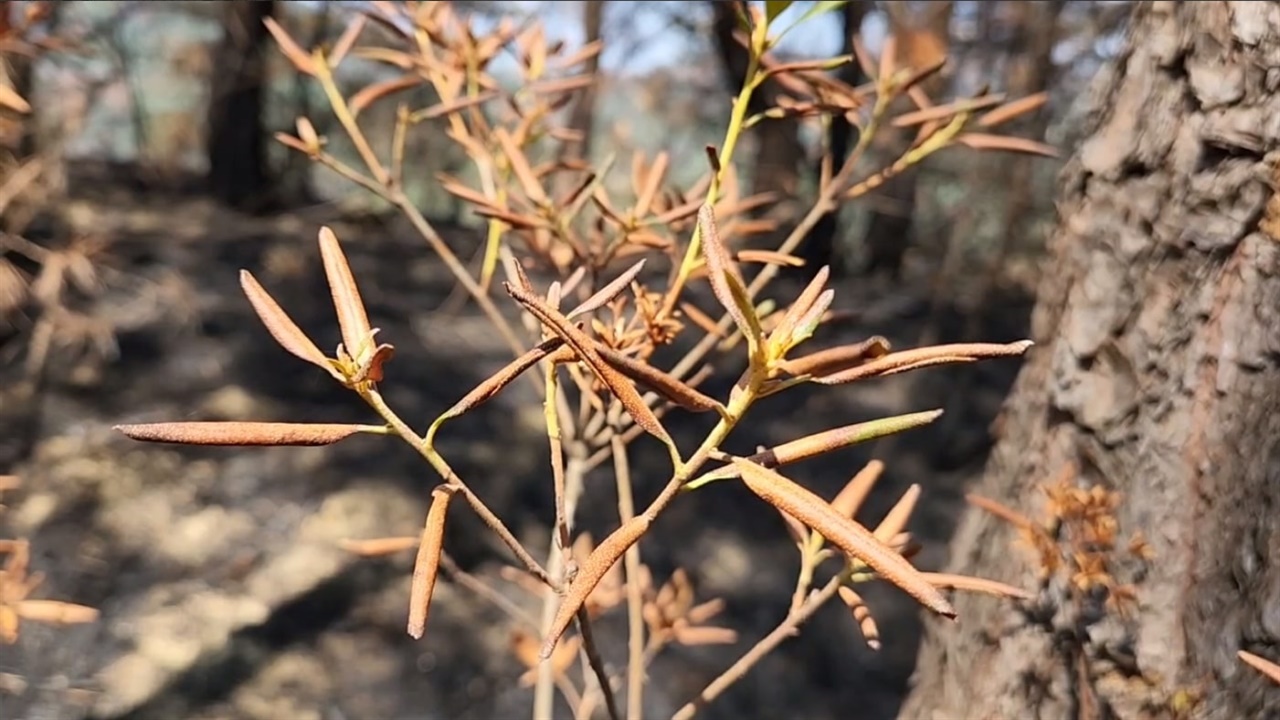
column 1157, row 374
column 236, row 143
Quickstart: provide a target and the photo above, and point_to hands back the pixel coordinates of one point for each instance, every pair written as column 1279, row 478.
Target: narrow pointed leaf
column 896, row 520
column 426, row 566
column 378, row 547
column 504, row 377
column 985, row 141
column 300, row 59
column 727, row 283
column 894, row 363
column 850, row 498
column 660, row 382
column 606, row 294
column 281, row 327
column 838, row 358
column 593, row 569
column 1013, row 109
column 56, row 612
column 617, row 383
column 845, row 533
column 352, row 318
column 243, row 433
column 785, row 328
column 1261, row 664
column 828, row 440
column 947, row 581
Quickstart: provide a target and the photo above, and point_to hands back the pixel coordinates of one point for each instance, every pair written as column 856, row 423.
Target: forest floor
column 222, row 588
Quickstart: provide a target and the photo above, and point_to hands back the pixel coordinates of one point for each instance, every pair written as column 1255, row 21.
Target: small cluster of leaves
column 1077, row 540
column 17, row 585
column 605, row 341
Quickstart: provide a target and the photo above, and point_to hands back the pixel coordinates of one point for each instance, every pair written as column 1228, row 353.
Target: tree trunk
column 1157, row 375
column 236, row 142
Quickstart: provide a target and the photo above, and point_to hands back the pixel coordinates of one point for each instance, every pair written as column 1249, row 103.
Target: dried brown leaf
column 520, row 167
column 504, row 377
column 1000, row 510
column 373, row 92
column 906, row 360
column 426, row 567
column 843, row 532
column 947, row 581
column 56, row 612
column 726, row 281
column 838, row 358
column 830, row 440
column 377, row 547
column 984, row 141
column 896, row 520
column 352, row 318
column 300, row 59
column 582, row 345
column 606, row 294
column 1013, row 109
column 660, row 382
column 9, row 98
column 242, row 433
column 861, row 615
column 589, row 575
column 850, row 498
column 1261, row 664
column 768, row 257
column 281, row 327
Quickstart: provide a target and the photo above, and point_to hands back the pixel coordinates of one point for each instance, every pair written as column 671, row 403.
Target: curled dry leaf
column 427, row 565
column 861, row 615
column 589, row 575
column 281, row 326
column 243, row 433
column 843, row 532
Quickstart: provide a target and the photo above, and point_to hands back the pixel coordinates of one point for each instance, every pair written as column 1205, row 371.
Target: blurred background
column 145, row 176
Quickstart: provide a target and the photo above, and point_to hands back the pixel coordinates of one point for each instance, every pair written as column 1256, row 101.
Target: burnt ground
column 222, row 589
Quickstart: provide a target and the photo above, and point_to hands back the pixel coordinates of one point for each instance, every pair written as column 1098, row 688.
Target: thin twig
column 597, row 664
column 484, row 591
column 635, row 597
column 786, row 629
column 379, row 404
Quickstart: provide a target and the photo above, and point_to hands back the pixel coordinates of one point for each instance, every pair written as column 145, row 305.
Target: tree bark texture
column 1157, row 374
column 236, row 143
